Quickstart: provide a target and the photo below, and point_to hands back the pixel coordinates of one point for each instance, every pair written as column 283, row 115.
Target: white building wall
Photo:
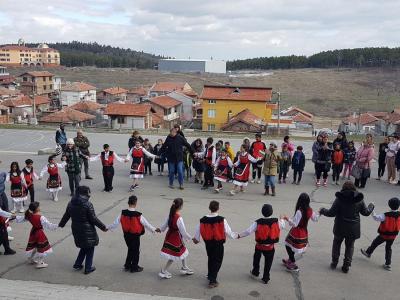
column 190, row 66
column 69, row 98
column 130, row 123
column 215, row 66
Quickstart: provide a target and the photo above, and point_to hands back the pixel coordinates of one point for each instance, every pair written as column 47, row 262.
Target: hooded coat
column 347, row 209
column 84, row 222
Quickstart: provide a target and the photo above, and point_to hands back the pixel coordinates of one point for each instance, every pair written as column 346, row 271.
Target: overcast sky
column 223, row 29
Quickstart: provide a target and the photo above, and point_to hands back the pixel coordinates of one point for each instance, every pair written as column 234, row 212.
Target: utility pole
column 33, row 119
column 279, row 112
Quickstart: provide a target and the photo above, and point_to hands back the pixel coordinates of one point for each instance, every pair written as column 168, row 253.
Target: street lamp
column 279, row 111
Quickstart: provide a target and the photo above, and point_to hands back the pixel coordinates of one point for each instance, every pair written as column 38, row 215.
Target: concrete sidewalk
column 26, row 290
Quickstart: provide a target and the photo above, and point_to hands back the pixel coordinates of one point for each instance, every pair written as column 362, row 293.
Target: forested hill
column 348, row 58
column 75, row 54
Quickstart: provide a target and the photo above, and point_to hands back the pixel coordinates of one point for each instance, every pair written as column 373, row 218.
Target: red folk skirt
column 297, row 239
column 38, row 240
column 173, row 247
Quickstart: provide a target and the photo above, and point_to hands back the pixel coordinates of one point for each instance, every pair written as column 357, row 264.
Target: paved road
column 366, row 280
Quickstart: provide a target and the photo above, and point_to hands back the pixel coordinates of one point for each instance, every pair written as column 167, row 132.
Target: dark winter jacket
column 382, row 152
column 61, row 137
column 347, row 209
column 157, row 152
column 173, row 148
column 132, row 141
column 298, row 161
column 324, row 155
column 342, row 142
column 84, row 222
column 397, row 160
column 72, row 158
column 350, row 155
column 83, row 144
column 3, row 176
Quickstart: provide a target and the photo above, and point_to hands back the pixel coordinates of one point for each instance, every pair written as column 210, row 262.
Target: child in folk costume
column 29, row 176
column 137, row 154
column 173, row 248
column 214, row 229
column 349, row 159
column 388, row 231
column 242, row 169
column 297, row 238
column 209, row 156
column 5, row 217
column 38, row 245
column 223, row 167
column 133, row 226
column 18, row 187
column 53, row 185
column 257, row 149
column 107, row 158
column 267, row 231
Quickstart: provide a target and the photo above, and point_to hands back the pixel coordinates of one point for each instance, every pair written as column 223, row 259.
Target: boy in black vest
column 267, row 231
column 107, row 158
column 388, row 231
column 209, row 156
column 133, row 226
column 214, row 229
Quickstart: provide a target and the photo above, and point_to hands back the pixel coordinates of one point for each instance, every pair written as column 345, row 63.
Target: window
column 25, row 79
column 51, row 86
column 212, row 101
column 121, row 120
column 211, row 113
column 44, row 87
column 211, row 127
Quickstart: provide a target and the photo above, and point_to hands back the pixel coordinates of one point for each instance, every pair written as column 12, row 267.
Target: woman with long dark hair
column 174, row 248
column 197, row 147
column 297, row 238
column 364, row 157
column 18, row 187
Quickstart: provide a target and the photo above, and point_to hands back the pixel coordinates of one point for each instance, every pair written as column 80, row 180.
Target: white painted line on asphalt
column 17, row 152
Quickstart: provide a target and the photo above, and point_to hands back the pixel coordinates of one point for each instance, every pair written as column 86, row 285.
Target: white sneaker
column 165, row 275
column 55, row 199
column 252, row 181
column 41, row 265
column 186, row 271
column 258, row 181
column 10, row 238
column 21, row 210
column 31, row 261
column 232, row 193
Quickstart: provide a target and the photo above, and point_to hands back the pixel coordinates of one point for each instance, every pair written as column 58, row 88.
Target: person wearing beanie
column 214, row 229
column 72, row 156
column 388, row 231
column 53, row 185
column 107, row 158
column 267, row 230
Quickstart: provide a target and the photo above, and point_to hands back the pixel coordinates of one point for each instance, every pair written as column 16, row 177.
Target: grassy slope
column 324, row 92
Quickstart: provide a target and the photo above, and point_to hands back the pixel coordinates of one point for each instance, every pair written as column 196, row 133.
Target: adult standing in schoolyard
column 61, row 137
column 83, row 144
column 173, row 149
column 72, row 157
column 364, row 157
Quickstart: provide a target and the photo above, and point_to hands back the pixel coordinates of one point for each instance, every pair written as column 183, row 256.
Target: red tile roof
column 363, row 119
column 78, row 87
column 87, row 106
column 127, row 109
column 167, row 86
column 236, row 93
column 378, row 114
column 165, row 101
column 293, row 110
column 37, row 74
column 16, row 47
column 6, row 79
column 141, row 91
column 26, row 101
column 301, row 118
column 245, row 116
column 67, row 115
column 7, row 92
column 115, row 90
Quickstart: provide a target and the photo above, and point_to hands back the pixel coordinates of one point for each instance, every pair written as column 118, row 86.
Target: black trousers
column 381, row 168
column 132, row 257
column 74, row 180
column 108, row 175
column 256, row 170
column 321, row 170
column 348, row 252
column 4, row 238
column 208, row 176
column 31, row 191
column 4, row 201
column 290, row 254
column 160, row 167
column 336, row 171
column 269, row 257
column 85, row 163
column 215, row 253
column 147, row 167
column 85, row 254
column 388, row 248
column 297, row 173
column 361, row 182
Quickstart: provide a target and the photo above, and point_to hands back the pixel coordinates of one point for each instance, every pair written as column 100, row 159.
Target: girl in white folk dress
column 53, row 185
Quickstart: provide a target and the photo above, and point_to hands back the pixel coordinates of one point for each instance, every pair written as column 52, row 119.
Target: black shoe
column 265, row 281
column 88, row 177
column 345, row 269
column 333, row 265
column 78, row 268
column 127, row 268
column 9, row 252
column 91, row 270
column 151, row 174
column 137, row 269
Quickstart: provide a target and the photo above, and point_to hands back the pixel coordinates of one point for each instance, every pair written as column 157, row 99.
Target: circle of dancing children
column 53, row 185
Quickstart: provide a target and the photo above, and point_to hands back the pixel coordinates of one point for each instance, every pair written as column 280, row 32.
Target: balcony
column 171, row 117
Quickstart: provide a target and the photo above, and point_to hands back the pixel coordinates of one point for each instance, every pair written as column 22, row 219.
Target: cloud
column 224, row 29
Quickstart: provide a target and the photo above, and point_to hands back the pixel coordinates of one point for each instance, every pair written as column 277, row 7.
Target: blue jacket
column 298, row 161
column 61, row 137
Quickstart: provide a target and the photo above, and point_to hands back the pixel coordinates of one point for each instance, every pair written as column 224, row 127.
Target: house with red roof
column 74, row 92
column 68, row 116
column 130, row 115
column 165, row 87
column 360, row 123
column 22, row 107
column 169, row 108
column 113, row 94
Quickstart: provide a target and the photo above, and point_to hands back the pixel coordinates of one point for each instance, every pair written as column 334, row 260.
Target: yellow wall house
column 220, row 103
